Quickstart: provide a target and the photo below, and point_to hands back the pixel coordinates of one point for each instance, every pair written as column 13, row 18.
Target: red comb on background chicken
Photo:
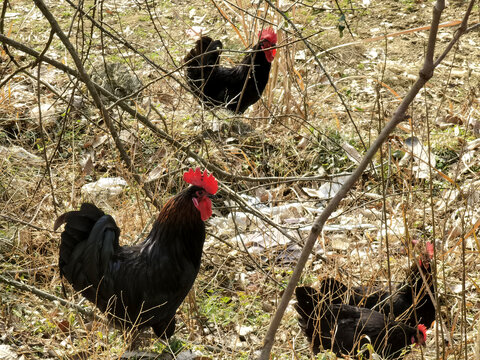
column 143, row 284
column 235, row 88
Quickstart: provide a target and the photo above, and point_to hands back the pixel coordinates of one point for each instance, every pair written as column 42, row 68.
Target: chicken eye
column 200, row 193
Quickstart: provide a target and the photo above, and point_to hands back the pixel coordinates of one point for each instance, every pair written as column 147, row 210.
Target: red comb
column 208, row 182
column 429, row 248
column 268, row 34
column 423, row 329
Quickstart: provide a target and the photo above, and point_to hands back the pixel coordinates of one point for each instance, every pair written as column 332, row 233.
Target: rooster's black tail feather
column 201, row 61
column 89, row 239
column 205, row 52
column 78, row 226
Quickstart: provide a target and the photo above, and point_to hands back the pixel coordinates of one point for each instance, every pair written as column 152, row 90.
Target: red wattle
column 204, row 206
column 270, row 54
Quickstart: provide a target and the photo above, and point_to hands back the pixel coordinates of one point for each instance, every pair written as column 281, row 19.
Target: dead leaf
column 352, row 153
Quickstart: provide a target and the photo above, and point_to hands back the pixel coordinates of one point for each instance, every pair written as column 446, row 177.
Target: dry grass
column 298, row 129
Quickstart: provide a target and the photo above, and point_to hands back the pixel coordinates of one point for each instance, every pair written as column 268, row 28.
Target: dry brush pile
column 341, row 70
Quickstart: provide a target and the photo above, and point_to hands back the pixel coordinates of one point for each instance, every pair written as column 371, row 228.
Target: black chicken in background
column 412, row 303
column 236, row 87
column 345, row 329
column 144, row 284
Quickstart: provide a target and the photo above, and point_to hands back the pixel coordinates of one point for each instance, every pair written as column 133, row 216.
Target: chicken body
column 344, row 329
column 236, row 87
column 412, row 303
column 140, row 285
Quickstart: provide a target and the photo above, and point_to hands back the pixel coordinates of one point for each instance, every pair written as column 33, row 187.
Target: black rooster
column 345, row 329
column 237, row 87
column 140, row 285
column 412, row 303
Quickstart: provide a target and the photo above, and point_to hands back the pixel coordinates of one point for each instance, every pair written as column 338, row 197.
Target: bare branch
column 425, row 74
column 45, row 295
column 96, row 97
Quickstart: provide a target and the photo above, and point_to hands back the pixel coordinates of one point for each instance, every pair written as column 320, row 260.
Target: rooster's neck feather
column 178, row 230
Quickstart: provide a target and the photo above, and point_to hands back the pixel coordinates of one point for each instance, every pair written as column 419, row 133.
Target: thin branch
column 219, row 173
column 425, row 74
column 45, row 295
column 41, row 129
column 344, row 17
column 96, row 98
column 320, row 65
column 9, row 218
column 6, row 3
column 460, row 31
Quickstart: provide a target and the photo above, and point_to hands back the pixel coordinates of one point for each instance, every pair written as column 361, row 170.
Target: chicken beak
column 195, row 202
column 214, row 196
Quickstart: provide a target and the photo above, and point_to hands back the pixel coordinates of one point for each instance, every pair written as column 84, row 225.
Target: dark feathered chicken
column 411, row 302
column 344, row 329
column 237, row 87
column 144, row 284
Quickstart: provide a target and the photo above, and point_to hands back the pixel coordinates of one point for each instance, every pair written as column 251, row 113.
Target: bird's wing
column 149, row 283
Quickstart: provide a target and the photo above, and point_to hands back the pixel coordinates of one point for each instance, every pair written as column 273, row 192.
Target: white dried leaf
column 127, row 136
column 48, row 112
column 474, row 144
column 104, row 187
column 338, row 242
column 19, row 154
column 326, row 191
column 189, row 355
column 302, row 144
column 244, row 330
column 12, row 15
column 7, row 353
column 422, row 157
column 196, row 31
column 457, row 288
column 372, row 53
column 155, row 174
column 447, row 199
column 468, row 157
column 301, row 55
column 199, row 19
column 284, row 211
column 239, row 220
column 352, row 153
column 99, row 140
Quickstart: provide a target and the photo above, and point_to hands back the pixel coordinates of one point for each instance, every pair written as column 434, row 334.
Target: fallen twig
column 45, row 295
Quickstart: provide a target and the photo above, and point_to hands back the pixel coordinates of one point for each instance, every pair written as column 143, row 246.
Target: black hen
column 237, row 87
column 345, row 329
column 144, row 284
column 412, row 303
